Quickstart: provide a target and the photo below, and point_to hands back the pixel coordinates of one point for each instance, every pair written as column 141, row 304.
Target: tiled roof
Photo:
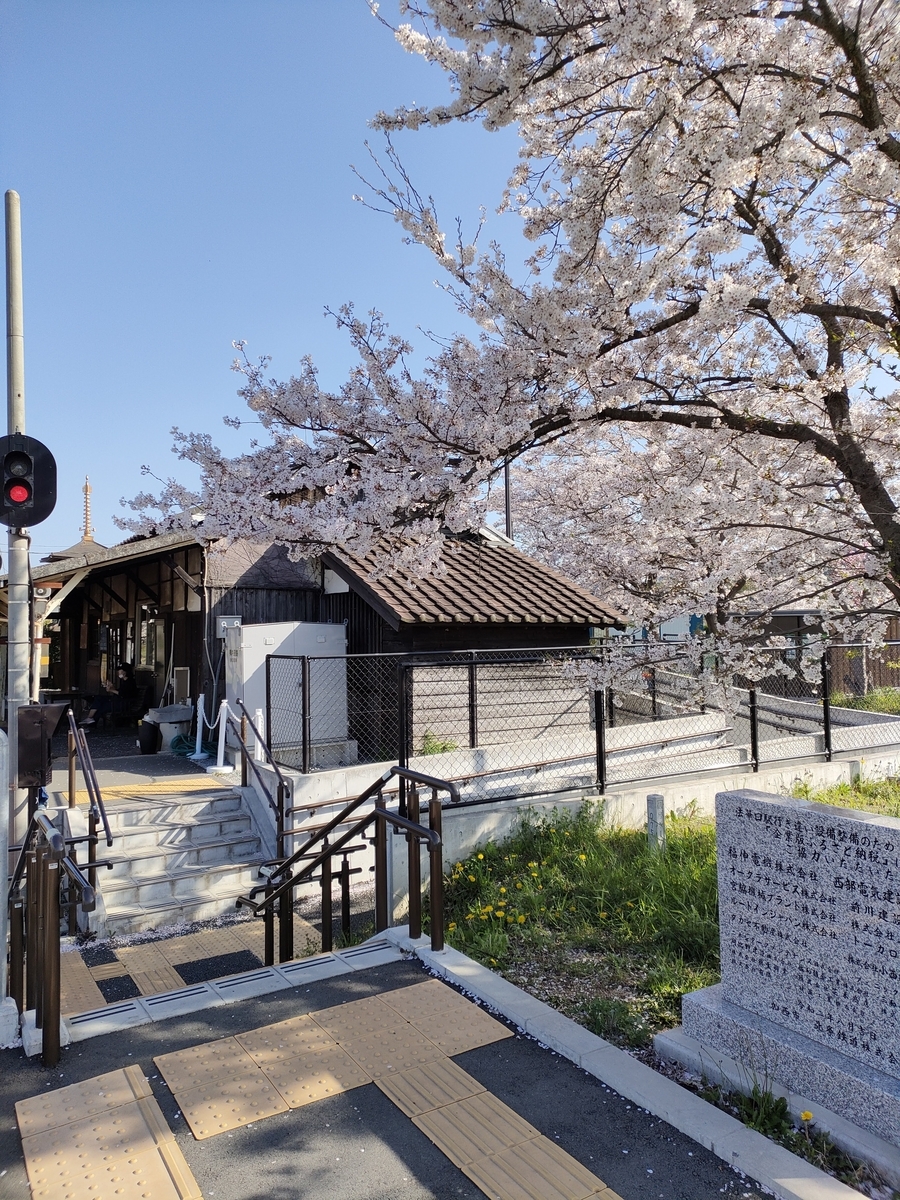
column 487, row 580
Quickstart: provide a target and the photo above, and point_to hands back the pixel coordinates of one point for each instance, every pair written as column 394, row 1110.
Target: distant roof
column 486, row 580
column 86, row 546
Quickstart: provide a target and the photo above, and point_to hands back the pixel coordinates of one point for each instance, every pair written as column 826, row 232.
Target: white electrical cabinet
column 246, row 650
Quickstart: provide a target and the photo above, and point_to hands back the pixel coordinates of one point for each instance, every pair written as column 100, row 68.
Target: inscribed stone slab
column 809, row 901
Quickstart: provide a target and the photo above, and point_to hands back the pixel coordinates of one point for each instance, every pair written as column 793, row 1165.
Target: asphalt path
column 358, row 1145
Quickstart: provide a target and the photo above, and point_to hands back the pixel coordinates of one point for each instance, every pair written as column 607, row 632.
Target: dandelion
column 806, row 1116
column 471, row 879
column 480, row 857
column 470, row 916
column 519, row 886
column 452, row 925
column 484, row 916
column 582, row 857
column 521, row 918
column 488, row 908
column 603, row 915
column 534, row 874
column 510, row 920
column 503, row 891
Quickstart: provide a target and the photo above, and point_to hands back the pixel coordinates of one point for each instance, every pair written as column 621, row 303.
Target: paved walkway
column 358, row 1144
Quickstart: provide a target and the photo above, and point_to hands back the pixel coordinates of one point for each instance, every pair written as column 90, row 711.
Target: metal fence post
column 826, row 703
column 268, row 725
column 436, row 874
column 754, row 730
column 327, row 909
column 414, row 864
column 600, row 736
column 473, row 701
column 50, row 982
column 71, row 765
column 610, row 707
column 306, row 700
column 381, row 896
column 656, row 822
column 286, row 924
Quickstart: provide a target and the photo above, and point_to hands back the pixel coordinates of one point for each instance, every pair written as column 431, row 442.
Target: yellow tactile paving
column 286, row 1040
column 150, row 970
column 50, row 1110
column 77, row 990
column 433, row 1085
column 455, row 1032
column 315, row 1074
column 229, row 1103
column 113, row 970
column 535, row 1170
column 192, row 947
column 95, row 1141
column 204, row 1064
column 474, row 1128
column 386, row 1052
column 359, row 1018
column 420, row 999
column 162, row 1174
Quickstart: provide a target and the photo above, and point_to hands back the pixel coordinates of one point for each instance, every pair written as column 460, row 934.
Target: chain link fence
column 534, row 722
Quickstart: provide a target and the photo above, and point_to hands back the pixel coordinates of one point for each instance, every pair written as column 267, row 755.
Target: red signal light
column 19, row 493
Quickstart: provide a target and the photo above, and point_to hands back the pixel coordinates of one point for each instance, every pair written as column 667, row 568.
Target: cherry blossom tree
column 698, row 365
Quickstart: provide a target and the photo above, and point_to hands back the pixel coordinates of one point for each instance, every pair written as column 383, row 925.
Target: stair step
column 139, row 918
column 196, row 831
column 126, row 814
column 176, row 886
column 141, row 862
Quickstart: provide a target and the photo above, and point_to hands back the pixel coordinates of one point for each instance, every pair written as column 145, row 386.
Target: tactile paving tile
column 204, row 1064
column 457, row 1032
column 286, row 1039
column 77, row 990
column 474, row 1128
column 50, row 1110
column 160, row 1174
column 111, row 970
column 94, row 1142
column 386, row 1052
column 315, row 1074
column 431, row 1086
column 535, row 1170
column 195, row 946
column 420, row 999
column 359, row 1018
column 151, row 972
column 229, row 1103
column 252, row 935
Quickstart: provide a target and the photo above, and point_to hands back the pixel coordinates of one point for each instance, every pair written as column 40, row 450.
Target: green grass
column 616, row 933
column 878, row 796
column 880, row 700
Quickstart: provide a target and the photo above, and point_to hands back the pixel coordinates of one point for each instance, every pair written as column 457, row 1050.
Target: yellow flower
column 602, row 915
column 532, row 864
column 583, row 857
column 452, row 925
column 470, row 916
column 806, row 1116
column 471, row 879
column 510, row 920
column 480, row 857
column 484, row 916
column 543, row 909
column 521, row 919
column 534, row 874
column 488, row 908
column 503, row 891
column 519, row 886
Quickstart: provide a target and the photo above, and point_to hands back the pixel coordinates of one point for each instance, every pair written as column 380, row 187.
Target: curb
column 783, row 1173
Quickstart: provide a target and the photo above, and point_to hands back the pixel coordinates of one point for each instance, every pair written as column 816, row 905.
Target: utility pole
column 19, row 633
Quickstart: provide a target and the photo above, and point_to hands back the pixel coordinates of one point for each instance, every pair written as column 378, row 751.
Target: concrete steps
column 176, row 858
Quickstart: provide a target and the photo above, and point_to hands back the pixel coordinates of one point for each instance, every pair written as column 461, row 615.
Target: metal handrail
column 260, row 741
column 88, row 895
column 235, row 725
column 55, row 841
column 90, row 776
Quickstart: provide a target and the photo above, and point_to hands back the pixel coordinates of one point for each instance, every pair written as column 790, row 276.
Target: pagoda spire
column 88, row 535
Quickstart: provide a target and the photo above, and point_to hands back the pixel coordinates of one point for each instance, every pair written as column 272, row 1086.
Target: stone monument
column 809, row 912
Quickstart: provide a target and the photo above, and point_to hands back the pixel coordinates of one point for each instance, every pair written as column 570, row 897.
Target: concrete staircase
column 177, row 858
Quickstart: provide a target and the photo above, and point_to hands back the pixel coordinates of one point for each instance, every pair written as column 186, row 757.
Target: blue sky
column 184, row 167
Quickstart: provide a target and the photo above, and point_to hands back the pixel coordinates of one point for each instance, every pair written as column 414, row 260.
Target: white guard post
column 221, row 767
column 199, row 753
column 260, row 722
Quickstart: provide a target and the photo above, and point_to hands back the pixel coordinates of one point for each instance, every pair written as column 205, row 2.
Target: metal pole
column 754, row 730
column 32, row 890
column 286, row 925
column 473, row 701
column 198, row 740
column 826, row 704
column 50, row 1028
column 223, row 730
column 414, row 864
column 71, row 759
column 327, row 911
column 345, row 898
column 269, row 930
column 381, row 896
column 243, row 751
column 18, row 631
column 306, row 693
column 260, row 723
column 436, row 874
column 600, row 736
column 17, row 953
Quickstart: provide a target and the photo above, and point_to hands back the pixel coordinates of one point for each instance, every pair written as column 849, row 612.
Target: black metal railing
column 536, row 722
column 276, row 803
column 318, row 852
column 79, row 753
column 33, row 902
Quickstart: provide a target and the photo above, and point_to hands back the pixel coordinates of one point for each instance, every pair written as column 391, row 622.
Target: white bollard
column 199, row 752
column 260, row 722
column 656, row 822
column 221, row 767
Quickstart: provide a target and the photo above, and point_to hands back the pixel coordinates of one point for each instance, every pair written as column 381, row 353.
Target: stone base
column 9, row 1023
column 33, row 1039
column 770, row 1053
